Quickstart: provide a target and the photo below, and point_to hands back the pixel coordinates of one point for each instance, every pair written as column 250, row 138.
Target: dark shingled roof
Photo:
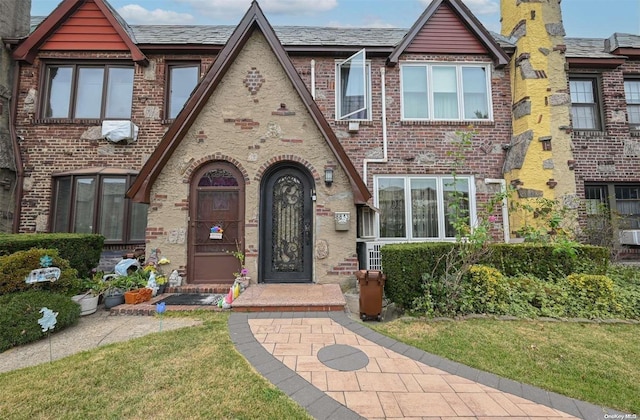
column 288, row 35
column 619, row 40
column 587, row 48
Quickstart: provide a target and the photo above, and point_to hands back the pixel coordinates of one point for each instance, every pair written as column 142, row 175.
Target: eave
column 605, row 63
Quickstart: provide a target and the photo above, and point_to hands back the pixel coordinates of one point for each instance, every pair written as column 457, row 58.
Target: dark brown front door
column 286, row 217
column 217, row 200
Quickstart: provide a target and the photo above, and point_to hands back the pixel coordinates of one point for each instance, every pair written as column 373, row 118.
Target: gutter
column 13, row 112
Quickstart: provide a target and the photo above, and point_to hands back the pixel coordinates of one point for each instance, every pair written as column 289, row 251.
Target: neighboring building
column 576, row 119
column 305, row 145
column 14, row 23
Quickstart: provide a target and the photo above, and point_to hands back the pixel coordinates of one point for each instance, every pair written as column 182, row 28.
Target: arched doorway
column 286, row 225
column 216, row 199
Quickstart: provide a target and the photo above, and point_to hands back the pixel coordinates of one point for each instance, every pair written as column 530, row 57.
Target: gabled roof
column 467, row 18
column 254, row 19
column 28, row 50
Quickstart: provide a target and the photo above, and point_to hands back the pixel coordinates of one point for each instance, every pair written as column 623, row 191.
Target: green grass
column 187, row 373
column 591, row 362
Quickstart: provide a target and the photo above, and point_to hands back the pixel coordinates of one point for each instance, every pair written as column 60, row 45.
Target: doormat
column 192, row 299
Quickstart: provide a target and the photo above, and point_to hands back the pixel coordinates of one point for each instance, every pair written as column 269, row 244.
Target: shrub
column 19, row 314
column 591, row 296
column 16, row 267
column 486, row 291
column 81, row 250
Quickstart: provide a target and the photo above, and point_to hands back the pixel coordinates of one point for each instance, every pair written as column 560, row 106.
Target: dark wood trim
column 608, row 63
column 254, row 19
column 500, row 57
column 631, row 52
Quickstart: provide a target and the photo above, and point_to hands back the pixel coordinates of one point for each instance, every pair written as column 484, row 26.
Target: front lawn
column 186, row 373
column 591, row 362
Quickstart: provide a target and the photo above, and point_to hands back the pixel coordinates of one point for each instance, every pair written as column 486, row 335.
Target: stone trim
column 186, row 179
column 287, row 158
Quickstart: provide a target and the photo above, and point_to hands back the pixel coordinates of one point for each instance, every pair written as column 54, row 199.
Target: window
column 353, row 88
column 96, row 203
column 584, row 103
column 421, row 207
column 632, row 93
column 445, row 92
column 75, row 91
column 182, row 79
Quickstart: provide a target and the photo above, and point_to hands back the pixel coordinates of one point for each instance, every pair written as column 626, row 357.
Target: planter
column 113, row 300
column 88, row 304
column 133, row 297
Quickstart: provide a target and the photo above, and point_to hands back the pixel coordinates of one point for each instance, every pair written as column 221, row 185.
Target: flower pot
column 113, row 300
column 88, row 304
column 133, row 297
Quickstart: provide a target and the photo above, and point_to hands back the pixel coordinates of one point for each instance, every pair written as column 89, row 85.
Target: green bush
column 486, row 291
column 16, row 267
column 590, row 296
column 408, row 266
column 405, row 264
column 20, row 312
column 81, row 250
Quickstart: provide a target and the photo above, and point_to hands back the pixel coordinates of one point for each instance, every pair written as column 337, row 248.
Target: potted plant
column 114, row 291
column 91, row 290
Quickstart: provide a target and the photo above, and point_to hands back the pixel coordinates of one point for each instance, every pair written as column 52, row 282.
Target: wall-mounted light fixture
column 328, row 177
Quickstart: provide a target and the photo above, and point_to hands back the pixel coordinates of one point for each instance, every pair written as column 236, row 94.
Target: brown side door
column 216, row 199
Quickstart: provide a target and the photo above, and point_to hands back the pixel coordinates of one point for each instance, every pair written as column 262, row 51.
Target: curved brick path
column 396, row 382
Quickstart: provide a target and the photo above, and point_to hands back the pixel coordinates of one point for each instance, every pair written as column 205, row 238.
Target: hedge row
column 405, row 264
column 81, row 250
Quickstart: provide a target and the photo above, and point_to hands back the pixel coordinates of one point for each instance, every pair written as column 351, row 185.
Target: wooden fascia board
column 28, row 49
column 136, row 54
column 576, row 62
column 500, row 57
column 629, row 52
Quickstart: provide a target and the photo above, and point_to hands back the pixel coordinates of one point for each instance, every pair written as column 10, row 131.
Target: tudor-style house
column 306, row 147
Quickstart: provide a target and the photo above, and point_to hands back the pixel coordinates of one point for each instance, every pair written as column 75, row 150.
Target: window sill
column 466, row 123
column 361, row 122
column 590, row 133
column 167, row 122
column 51, row 121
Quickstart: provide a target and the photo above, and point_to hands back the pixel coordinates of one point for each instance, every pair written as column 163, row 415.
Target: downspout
column 384, row 129
column 505, row 209
column 13, row 109
column 313, row 79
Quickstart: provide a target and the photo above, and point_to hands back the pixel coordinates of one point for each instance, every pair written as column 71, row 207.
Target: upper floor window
column 96, row 203
column 445, row 92
column 632, row 95
column 419, row 207
column 353, row 88
column 585, row 113
column 78, row 91
column 182, row 79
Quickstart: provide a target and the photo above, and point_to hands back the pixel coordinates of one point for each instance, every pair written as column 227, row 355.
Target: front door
column 216, row 227
column 286, row 246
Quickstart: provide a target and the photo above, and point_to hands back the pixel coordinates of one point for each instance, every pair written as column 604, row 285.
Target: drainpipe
column 505, row 209
column 313, row 79
column 13, row 110
column 384, row 129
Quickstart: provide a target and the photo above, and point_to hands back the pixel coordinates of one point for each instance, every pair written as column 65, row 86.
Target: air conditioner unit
column 119, row 130
column 630, row 237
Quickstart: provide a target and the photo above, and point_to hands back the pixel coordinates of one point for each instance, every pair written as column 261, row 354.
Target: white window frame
column 440, row 181
column 459, row 89
column 366, row 89
column 632, row 103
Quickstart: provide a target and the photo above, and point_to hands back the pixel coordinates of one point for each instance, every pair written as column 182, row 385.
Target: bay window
column 79, row 91
column 422, row 207
column 96, row 203
column 433, row 91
